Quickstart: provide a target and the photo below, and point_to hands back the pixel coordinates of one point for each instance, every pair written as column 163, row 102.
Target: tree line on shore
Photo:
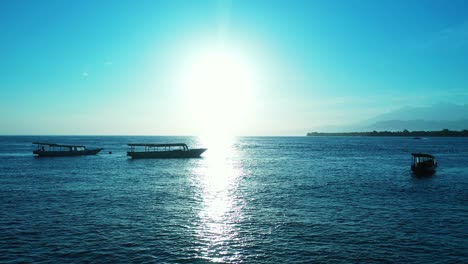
column 404, row 133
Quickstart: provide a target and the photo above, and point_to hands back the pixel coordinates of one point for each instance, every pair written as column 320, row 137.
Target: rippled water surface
column 250, row 200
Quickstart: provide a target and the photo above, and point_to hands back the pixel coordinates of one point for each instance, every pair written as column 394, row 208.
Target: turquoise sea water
column 248, row 200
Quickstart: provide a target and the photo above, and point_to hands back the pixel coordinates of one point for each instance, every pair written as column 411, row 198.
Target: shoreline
column 404, row 133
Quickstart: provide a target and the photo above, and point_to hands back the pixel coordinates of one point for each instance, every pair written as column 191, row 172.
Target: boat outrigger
column 423, row 164
column 59, row 150
column 163, row 151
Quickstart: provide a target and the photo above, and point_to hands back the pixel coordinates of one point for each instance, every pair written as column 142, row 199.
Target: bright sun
column 218, row 85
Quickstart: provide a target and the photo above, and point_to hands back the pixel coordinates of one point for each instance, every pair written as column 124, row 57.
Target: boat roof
column 422, row 155
column 56, row 145
column 157, row 145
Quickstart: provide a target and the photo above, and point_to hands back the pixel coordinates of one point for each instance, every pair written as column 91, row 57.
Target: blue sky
column 121, row 67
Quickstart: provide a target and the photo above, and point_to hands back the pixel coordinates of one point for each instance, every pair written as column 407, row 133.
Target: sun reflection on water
column 218, row 178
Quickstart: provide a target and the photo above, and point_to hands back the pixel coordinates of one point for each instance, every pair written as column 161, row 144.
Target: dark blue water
column 248, row 200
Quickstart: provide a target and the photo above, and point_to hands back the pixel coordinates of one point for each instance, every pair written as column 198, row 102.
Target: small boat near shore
column 163, row 151
column 423, row 164
column 60, row 150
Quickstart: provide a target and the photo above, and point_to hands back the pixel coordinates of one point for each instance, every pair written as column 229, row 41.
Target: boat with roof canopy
column 423, row 164
column 60, row 150
column 163, row 151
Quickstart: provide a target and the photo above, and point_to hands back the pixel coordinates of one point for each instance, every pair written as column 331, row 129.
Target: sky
column 224, row 67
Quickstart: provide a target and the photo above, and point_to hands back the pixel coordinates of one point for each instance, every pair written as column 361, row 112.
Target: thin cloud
column 85, row 74
column 108, row 63
column 455, row 36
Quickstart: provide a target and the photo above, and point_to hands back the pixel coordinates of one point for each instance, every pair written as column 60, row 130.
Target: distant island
column 404, row 133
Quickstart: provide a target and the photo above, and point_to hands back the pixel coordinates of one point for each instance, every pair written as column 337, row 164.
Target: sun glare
column 218, row 85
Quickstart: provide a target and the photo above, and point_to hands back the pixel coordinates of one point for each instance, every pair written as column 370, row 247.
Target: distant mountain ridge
column 437, row 112
column 433, row 118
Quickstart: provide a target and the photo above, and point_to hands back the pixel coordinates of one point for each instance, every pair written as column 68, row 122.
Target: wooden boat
column 162, row 151
column 59, row 150
column 423, row 164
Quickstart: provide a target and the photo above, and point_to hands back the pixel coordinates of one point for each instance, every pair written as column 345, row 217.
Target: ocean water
column 248, row 200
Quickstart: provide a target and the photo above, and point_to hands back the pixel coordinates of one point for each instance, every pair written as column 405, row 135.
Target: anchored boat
column 163, row 151
column 423, row 164
column 60, row 150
